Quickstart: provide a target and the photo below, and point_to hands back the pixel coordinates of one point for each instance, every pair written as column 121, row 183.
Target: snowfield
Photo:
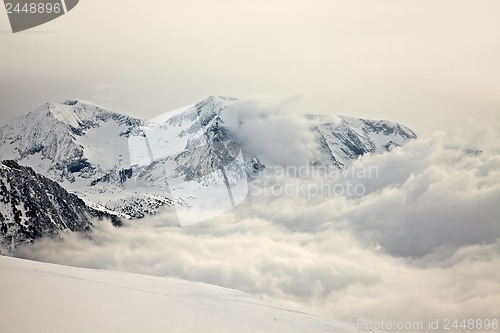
column 42, row 297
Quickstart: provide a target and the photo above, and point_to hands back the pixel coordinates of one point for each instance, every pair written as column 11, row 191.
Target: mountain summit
column 131, row 167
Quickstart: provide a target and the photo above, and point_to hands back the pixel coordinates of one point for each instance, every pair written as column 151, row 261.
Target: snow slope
column 41, row 297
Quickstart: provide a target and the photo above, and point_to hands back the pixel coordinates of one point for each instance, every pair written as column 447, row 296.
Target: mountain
column 84, row 148
column 42, row 297
column 62, row 140
column 346, row 138
column 32, row 206
column 131, row 167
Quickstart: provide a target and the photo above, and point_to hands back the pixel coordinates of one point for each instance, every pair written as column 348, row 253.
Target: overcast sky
column 394, row 59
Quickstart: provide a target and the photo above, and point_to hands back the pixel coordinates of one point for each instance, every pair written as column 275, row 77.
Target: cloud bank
column 421, row 242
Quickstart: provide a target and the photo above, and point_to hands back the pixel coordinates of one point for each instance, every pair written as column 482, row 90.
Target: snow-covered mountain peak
column 213, row 104
column 70, row 141
column 122, row 164
column 79, row 101
column 348, row 138
column 82, row 115
column 385, row 127
column 75, row 113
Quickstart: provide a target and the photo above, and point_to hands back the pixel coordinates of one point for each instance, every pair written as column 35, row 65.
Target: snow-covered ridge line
column 42, row 297
column 86, row 149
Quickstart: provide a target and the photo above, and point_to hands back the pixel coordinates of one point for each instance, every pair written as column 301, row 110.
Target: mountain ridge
column 33, row 206
column 128, row 166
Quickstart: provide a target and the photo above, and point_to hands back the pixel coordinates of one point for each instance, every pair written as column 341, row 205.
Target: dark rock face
column 33, row 206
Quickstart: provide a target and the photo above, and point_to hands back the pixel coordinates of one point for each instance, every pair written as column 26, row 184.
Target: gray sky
column 393, row 59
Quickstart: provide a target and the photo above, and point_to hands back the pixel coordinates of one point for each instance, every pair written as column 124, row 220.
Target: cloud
column 428, row 196
column 272, row 129
column 328, row 272
column 421, row 243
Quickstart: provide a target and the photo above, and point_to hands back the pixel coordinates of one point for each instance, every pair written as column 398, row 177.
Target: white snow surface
column 42, row 297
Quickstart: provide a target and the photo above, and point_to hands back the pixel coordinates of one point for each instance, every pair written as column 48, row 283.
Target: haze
column 422, row 63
